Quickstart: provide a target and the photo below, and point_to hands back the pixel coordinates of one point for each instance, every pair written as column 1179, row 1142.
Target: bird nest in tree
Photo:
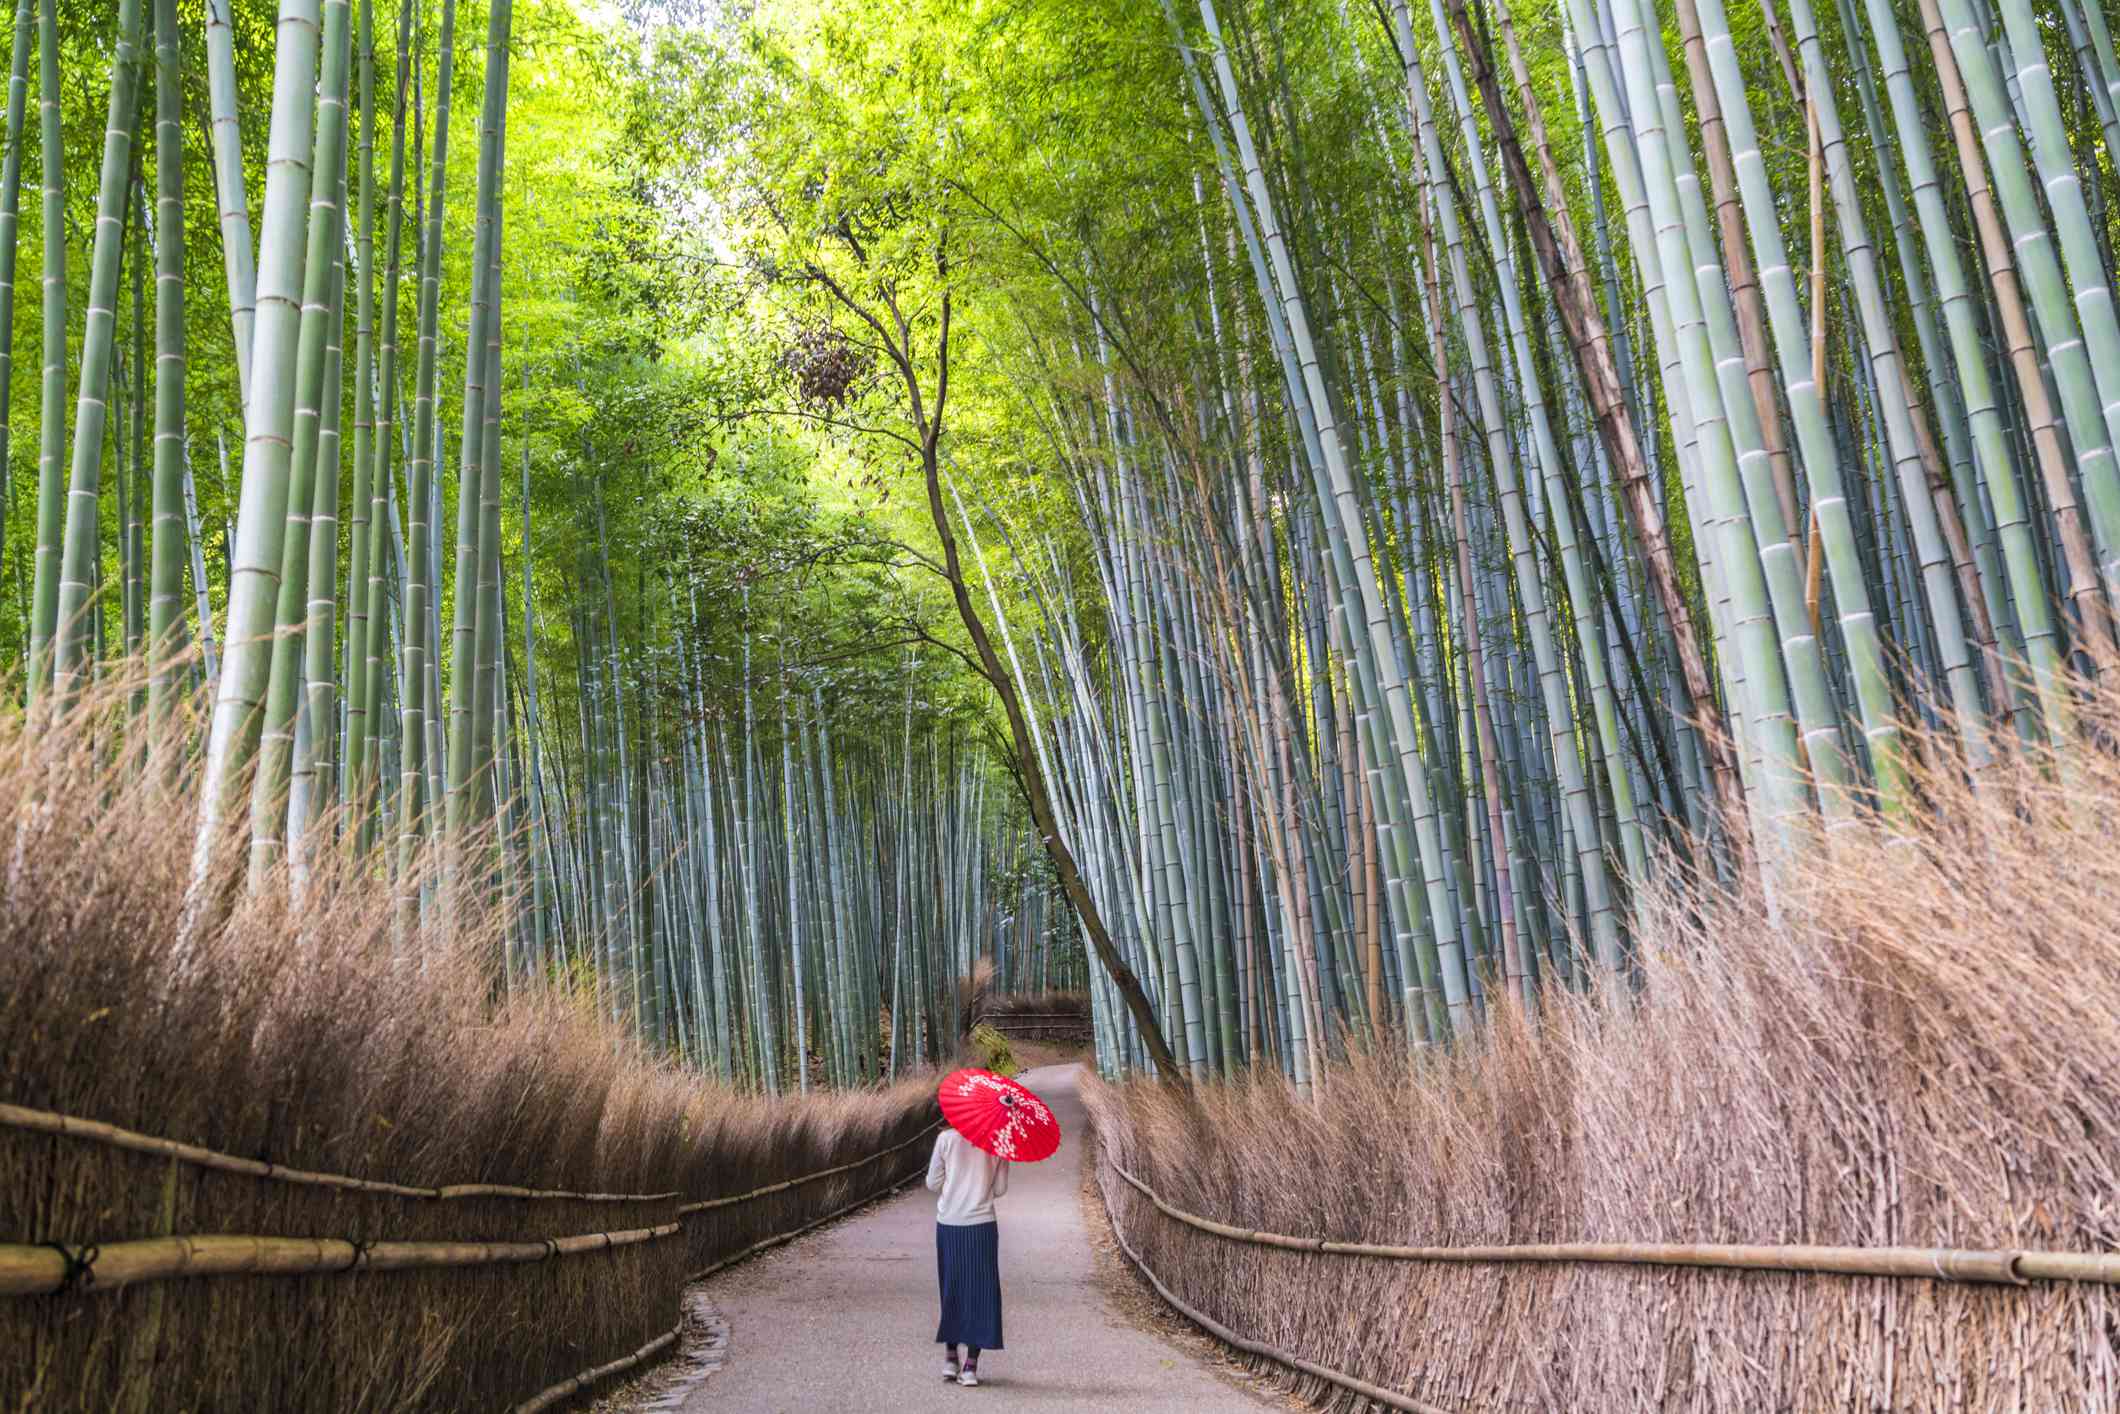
column 826, row 366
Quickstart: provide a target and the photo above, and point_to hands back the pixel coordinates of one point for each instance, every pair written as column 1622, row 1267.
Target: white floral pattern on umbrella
column 999, row 1115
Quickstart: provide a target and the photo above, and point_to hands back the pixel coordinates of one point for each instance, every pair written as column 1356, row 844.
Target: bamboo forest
column 1478, row 634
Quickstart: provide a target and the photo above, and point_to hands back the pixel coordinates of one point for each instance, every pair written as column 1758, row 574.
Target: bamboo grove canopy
column 1284, row 515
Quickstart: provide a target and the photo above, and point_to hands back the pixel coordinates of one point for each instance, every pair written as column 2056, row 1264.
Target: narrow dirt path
column 845, row 1319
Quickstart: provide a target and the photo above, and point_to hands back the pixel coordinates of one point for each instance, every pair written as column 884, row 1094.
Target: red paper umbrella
column 1000, row 1116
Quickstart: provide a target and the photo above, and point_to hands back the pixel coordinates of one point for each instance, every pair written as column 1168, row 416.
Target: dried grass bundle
column 301, row 1037
column 1915, row 1048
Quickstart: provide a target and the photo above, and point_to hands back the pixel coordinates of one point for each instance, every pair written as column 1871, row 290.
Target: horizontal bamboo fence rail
column 575, row 1384
column 755, row 1248
column 46, row 1268
column 705, row 1204
column 44, row 1122
column 1033, row 1025
column 2002, row 1266
column 1390, row 1398
column 95, row 1132
column 32, row 1269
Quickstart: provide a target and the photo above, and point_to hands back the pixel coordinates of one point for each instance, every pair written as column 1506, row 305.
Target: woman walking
column 993, row 1122
column 967, row 1252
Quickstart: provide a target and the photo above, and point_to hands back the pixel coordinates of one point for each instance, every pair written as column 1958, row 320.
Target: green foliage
column 993, row 1050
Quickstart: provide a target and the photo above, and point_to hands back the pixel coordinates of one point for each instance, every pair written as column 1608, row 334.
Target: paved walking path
column 845, row 1319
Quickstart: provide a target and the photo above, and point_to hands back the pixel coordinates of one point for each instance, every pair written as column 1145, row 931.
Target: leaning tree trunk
column 1026, row 759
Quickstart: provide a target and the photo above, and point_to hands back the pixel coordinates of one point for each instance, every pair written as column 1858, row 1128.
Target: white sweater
column 968, row 1178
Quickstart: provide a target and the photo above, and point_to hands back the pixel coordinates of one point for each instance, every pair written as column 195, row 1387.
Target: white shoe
column 949, row 1369
column 968, row 1377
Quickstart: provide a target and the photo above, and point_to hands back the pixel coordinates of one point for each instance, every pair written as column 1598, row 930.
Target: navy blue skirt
column 968, row 1267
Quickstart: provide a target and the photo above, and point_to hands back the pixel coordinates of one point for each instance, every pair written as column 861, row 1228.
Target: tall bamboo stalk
column 84, row 532
column 315, row 335
column 10, row 236
column 51, row 451
column 261, row 527
column 417, row 800
column 237, row 246
column 165, row 602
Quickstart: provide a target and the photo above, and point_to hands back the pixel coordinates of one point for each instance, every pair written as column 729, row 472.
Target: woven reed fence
column 481, row 1191
column 1058, row 1017
column 356, row 1293
column 1356, row 1324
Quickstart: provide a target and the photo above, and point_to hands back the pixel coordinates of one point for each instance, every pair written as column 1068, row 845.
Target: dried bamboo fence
column 2002, row 1266
column 90, row 1317
column 302, row 1074
column 1364, row 1324
column 1060, row 1018
column 576, row 1384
